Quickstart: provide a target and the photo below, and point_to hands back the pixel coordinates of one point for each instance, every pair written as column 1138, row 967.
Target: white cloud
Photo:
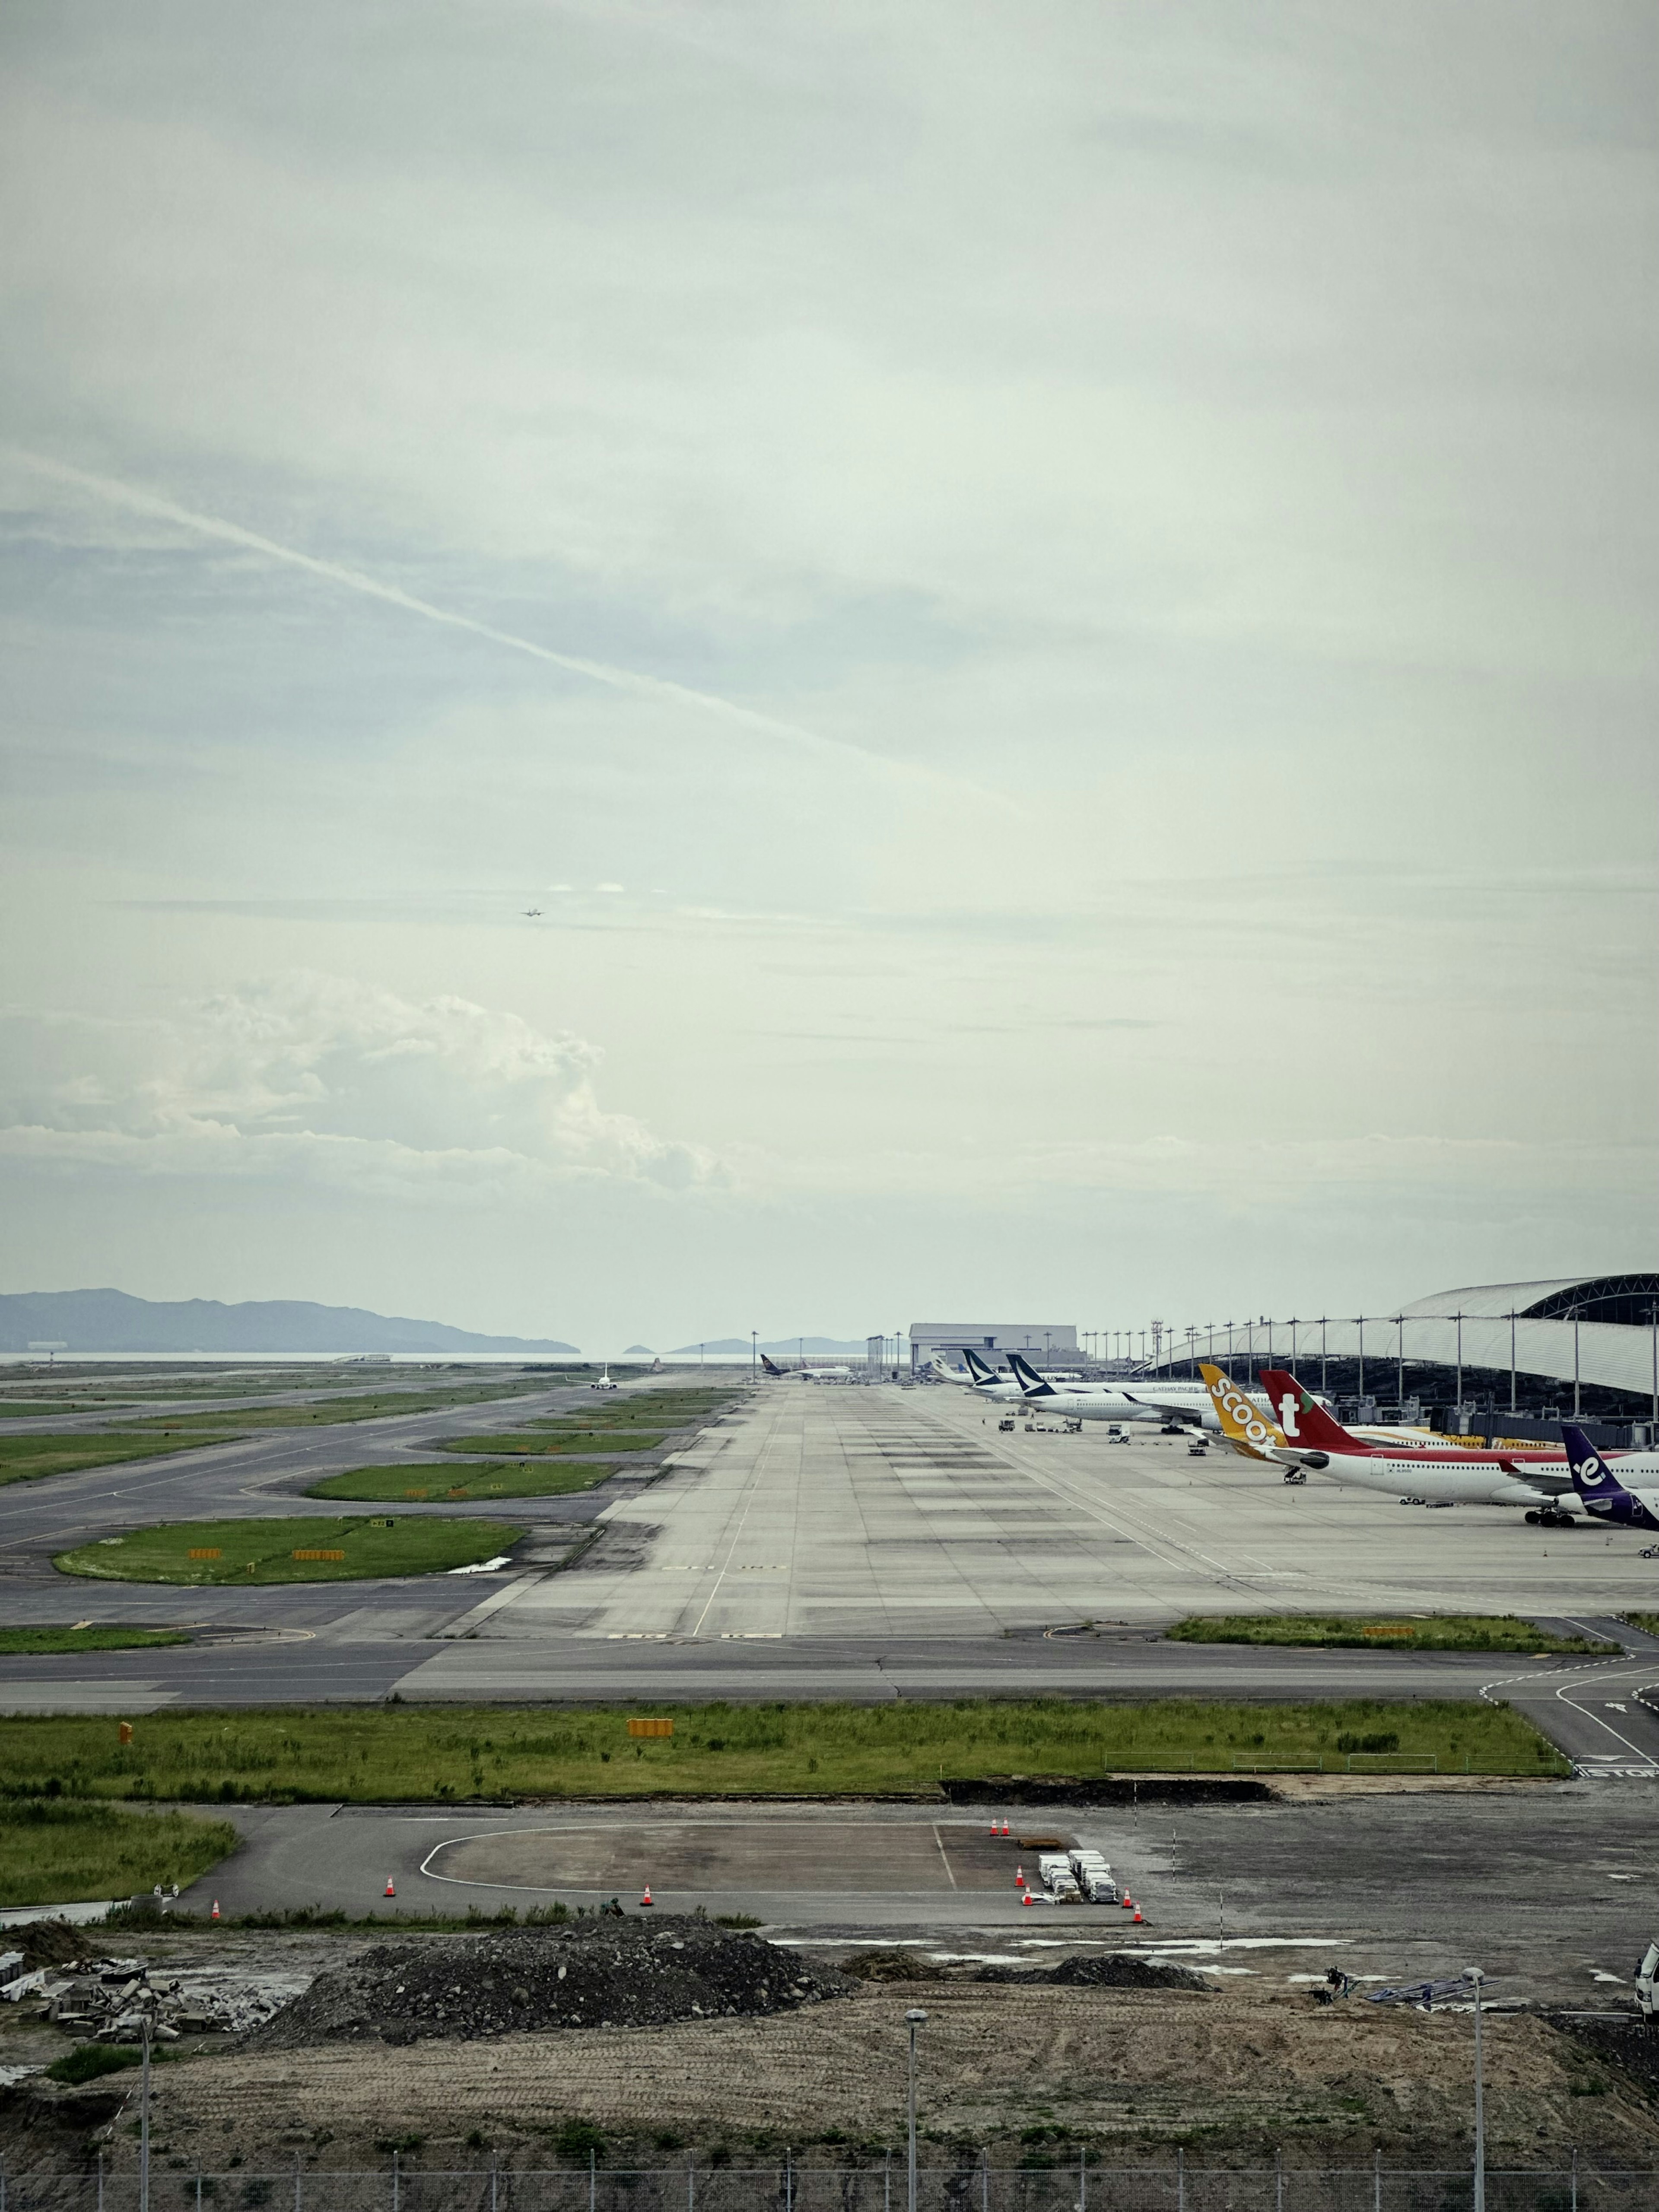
column 326, row 1080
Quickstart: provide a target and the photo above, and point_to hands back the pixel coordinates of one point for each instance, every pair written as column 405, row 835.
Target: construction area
column 669, row 2060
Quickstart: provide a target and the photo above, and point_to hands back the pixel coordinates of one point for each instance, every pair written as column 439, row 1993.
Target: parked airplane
column 803, row 1373
column 1184, row 1404
column 1434, row 1473
column 986, row 1380
column 1602, row 1491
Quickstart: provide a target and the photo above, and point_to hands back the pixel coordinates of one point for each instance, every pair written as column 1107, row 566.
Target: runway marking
column 945, row 1855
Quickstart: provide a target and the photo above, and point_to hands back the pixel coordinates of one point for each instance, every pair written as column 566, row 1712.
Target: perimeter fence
column 880, row 2186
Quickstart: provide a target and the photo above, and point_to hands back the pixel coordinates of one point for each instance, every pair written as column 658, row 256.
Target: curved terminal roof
column 1617, row 1300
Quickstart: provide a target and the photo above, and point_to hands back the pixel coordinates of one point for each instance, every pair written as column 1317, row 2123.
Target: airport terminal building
column 1533, row 1349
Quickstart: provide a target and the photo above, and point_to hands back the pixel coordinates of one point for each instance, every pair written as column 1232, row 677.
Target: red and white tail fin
column 1303, row 1419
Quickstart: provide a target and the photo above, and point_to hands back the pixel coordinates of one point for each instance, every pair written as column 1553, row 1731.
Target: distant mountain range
column 109, row 1321
column 818, row 1346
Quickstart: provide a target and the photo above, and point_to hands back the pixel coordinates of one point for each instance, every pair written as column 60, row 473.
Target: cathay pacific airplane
column 1187, row 1404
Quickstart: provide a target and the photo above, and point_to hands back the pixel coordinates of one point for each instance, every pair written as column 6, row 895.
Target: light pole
column 1362, row 1355
column 1399, row 1379
column 1511, row 1359
column 1478, row 1977
column 1324, row 1356
column 754, row 1352
column 1575, row 1385
column 1458, row 1318
column 913, row 2019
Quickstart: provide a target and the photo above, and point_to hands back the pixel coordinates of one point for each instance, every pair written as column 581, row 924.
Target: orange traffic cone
column 1019, row 1877
column 1128, row 1902
column 645, row 1900
column 1004, row 1827
column 993, row 1828
column 215, row 1908
column 1026, row 1899
column 1140, row 1917
column 391, row 1887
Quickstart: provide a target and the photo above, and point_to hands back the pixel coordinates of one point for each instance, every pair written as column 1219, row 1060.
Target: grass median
column 355, row 1548
column 550, row 1443
column 16, row 1642
column 26, row 1458
column 392, row 1485
column 69, row 1852
column 1450, row 1631
column 412, row 1754
column 333, row 1413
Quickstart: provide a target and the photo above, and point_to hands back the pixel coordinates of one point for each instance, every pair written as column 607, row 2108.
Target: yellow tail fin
column 1246, row 1429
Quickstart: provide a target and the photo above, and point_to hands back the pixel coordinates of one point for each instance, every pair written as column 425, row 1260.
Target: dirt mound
column 1112, row 1969
column 1107, row 1970
column 50, row 1943
column 592, row 1973
column 889, row 1966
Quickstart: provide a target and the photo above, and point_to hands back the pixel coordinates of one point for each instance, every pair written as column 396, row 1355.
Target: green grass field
column 65, row 1852
column 405, row 1754
column 26, row 1458
column 1453, row 1632
column 331, row 1412
column 392, row 1485
column 14, row 1409
column 1649, row 1621
column 13, row 1640
column 548, row 1443
column 262, row 1551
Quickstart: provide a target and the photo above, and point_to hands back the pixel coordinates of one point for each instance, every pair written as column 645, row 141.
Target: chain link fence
column 880, row 2186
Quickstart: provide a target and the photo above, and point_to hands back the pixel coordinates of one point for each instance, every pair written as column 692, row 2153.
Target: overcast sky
column 1054, row 605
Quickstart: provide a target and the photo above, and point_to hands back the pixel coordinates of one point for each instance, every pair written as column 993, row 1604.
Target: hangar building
column 1042, row 1342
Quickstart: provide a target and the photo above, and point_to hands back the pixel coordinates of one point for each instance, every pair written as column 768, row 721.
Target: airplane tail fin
column 1301, row 1416
column 1592, row 1478
column 978, row 1368
column 1028, row 1379
column 770, row 1367
column 1241, row 1424
column 937, row 1366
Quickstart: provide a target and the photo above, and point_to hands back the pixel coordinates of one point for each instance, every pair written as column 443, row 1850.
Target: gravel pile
column 591, row 1973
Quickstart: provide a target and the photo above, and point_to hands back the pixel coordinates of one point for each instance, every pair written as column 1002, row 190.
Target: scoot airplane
column 1541, row 1482
column 1615, row 1504
column 1246, row 1423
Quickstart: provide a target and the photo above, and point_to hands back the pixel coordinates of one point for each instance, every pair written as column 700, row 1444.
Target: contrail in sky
column 599, row 671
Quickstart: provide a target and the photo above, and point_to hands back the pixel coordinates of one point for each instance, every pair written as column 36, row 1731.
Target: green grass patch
column 57, row 1851
column 1450, row 1631
column 88, row 2061
column 14, row 1409
column 85, row 1639
column 415, row 1754
column 548, row 1443
column 395, row 1485
column 1649, row 1621
column 26, row 1458
column 331, row 1412
column 248, row 1551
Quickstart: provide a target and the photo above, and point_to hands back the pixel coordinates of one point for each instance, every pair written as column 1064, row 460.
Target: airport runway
column 865, row 1542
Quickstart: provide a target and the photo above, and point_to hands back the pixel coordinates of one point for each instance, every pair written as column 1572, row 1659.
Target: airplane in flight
column 1601, row 1492
column 532, row 914
column 1432, row 1473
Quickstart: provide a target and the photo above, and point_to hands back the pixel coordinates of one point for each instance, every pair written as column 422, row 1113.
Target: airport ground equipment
column 1646, row 1967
